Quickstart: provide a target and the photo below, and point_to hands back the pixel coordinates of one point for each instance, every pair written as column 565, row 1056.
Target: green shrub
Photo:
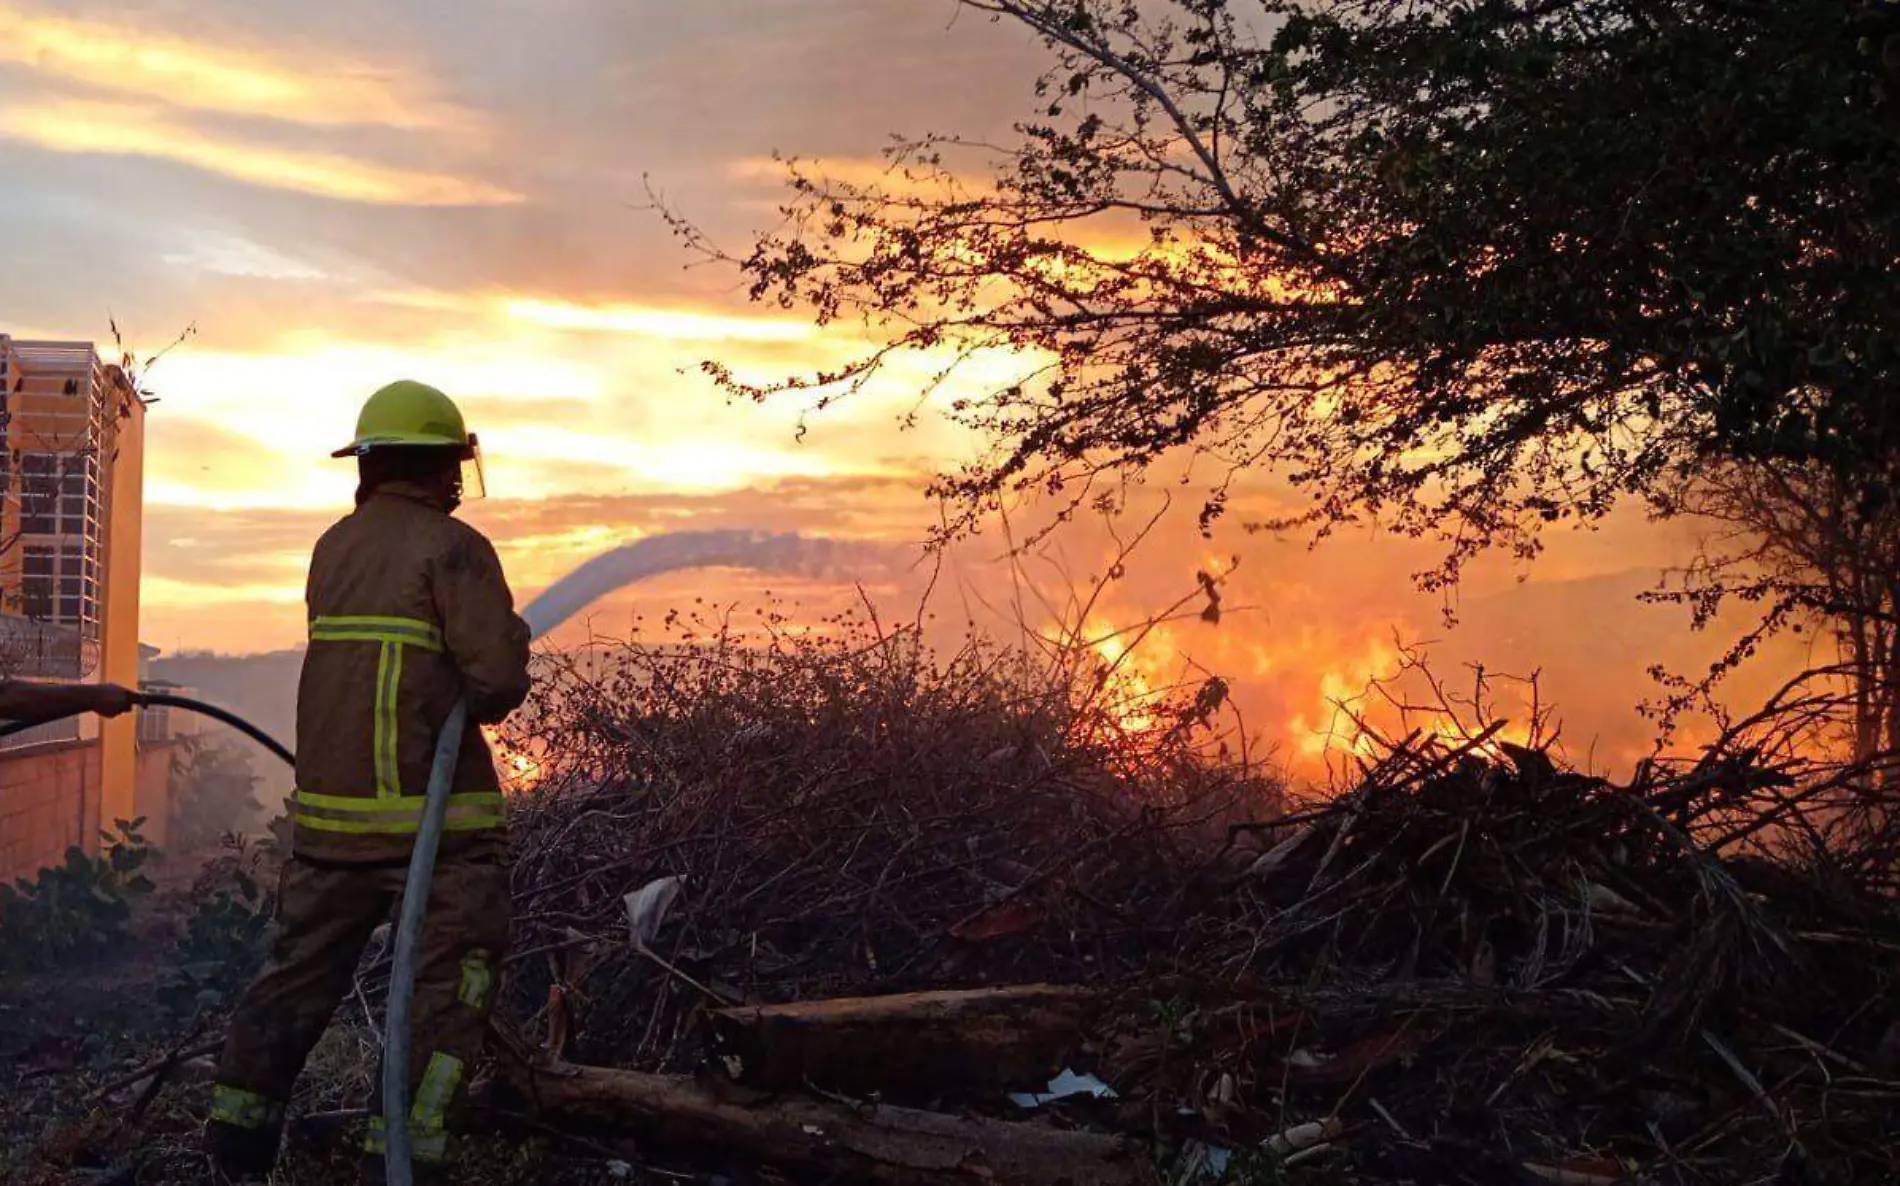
column 76, row 910
column 226, row 936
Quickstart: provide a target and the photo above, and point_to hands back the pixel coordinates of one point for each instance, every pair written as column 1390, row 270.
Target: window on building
column 39, row 493
column 60, row 584
column 75, row 491
column 71, row 589
column 155, row 724
column 37, row 581
column 6, row 444
column 59, row 494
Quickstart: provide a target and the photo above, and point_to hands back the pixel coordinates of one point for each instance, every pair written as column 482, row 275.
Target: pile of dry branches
column 848, row 815
column 1477, row 967
column 1473, row 967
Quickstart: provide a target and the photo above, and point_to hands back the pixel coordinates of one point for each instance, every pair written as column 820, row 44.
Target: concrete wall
column 51, row 798
column 154, row 795
column 120, row 636
column 49, row 801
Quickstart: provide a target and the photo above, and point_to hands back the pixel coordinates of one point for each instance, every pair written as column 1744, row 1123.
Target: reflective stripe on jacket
column 408, row 610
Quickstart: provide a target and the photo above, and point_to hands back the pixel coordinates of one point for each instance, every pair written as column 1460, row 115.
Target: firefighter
column 23, row 702
column 408, row 611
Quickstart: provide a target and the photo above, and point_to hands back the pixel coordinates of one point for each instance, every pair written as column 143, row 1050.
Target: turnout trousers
column 326, row 916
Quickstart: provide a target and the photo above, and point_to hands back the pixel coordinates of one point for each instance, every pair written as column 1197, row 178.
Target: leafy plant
column 227, row 935
column 78, row 909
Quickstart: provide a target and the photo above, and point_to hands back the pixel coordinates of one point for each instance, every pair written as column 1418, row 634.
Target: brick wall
column 49, row 801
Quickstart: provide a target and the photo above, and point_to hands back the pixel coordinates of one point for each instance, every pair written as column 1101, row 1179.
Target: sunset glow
column 129, row 131
column 252, row 81
column 660, row 323
column 340, row 195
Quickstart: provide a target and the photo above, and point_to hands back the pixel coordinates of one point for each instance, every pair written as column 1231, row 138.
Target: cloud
column 625, row 319
column 671, row 324
column 559, row 412
column 683, row 460
column 233, row 255
column 198, row 455
column 228, row 79
column 71, row 126
column 191, row 553
column 858, row 505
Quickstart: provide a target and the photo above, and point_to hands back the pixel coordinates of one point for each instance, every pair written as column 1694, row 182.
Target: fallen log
column 882, row 1144
column 909, row 1045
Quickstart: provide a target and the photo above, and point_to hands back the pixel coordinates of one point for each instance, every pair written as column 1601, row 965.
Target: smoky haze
column 1299, row 634
column 780, row 553
column 263, row 687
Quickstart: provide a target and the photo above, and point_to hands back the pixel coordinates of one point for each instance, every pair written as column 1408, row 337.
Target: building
column 72, row 442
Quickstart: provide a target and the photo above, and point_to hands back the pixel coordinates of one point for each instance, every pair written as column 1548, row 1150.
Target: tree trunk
column 920, row 1045
column 1868, row 710
column 887, row 1145
column 1885, row 678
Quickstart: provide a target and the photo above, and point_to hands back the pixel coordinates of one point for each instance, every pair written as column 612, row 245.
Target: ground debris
column 921, row 1045
column 909, row 896
column 1473, row 967
column 884, row 1143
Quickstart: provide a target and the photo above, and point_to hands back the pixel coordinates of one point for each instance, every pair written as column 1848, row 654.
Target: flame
column 1359, row 722
column 519, row 770
column 1131, row 682
column 1339, row 725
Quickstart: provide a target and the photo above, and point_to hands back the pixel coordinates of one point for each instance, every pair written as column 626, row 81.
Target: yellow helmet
column 410, row 413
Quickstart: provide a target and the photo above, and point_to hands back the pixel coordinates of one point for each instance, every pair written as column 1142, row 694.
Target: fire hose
column 166, row 700
column 402, row 971
column 415, row 905
column 541, row 615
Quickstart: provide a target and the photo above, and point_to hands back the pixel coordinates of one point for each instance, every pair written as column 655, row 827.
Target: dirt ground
column 73, row 1041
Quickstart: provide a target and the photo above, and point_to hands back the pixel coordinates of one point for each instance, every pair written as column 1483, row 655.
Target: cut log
column 884, row 1144
column 911, row 1045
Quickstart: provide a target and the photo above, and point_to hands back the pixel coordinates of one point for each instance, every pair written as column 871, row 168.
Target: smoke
column 786, row 553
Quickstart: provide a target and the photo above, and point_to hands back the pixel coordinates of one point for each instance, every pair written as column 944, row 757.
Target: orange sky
column 346, row 193
column 343, row 194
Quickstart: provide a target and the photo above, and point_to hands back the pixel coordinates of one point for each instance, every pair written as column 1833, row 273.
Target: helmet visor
column 474, row 481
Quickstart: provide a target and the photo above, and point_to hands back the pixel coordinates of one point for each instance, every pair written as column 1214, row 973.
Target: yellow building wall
column 153, row 790
column 119, row 636
column 48, row 803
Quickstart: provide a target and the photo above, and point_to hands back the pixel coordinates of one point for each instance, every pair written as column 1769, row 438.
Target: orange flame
column 1130, row 681
column 519, row 770
column 1356, row 721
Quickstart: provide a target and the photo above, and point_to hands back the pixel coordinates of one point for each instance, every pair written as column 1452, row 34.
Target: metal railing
column 51, row 733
